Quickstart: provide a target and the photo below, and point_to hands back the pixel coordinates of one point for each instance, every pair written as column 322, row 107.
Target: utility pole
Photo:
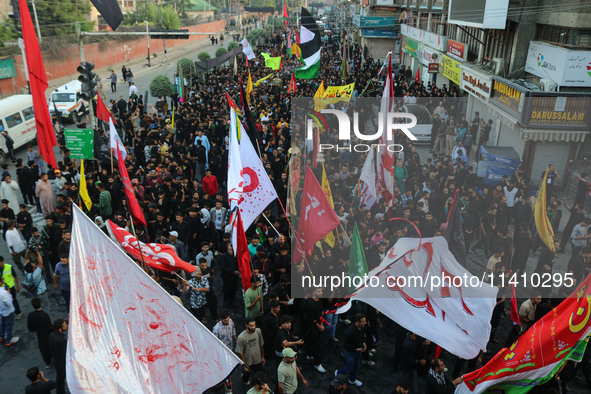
column 148, row 38
column 36, row 21
column 80, row 45
column 162, row 24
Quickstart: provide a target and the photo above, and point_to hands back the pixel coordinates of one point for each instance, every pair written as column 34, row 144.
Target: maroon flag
column 101, row 109
column 38, row 83
column 317, row 218
column 134, row 206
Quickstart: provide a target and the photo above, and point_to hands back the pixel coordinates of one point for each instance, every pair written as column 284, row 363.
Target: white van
column 18, row 119
column 66, row 99
column 424, row 123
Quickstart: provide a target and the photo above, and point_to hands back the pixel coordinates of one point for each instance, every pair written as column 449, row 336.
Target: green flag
column 273, row 63
column 357, row 263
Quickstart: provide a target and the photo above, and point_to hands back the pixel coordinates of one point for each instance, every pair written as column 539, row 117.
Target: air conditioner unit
column 547, row 85
column 498, row 65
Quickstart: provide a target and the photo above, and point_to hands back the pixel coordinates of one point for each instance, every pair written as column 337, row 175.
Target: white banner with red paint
column 128, row 335
column 249, row 185
column 429, row 293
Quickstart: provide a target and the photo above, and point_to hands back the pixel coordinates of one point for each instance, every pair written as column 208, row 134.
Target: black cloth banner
column 206, row 65
column 259, row 9
column 110, row 10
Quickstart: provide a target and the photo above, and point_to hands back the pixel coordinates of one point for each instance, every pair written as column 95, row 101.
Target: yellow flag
column 318, row 101
column 334, row 94
column 296, row 51
column 172, row 123
column 249, row 88
column 543, row 224
column 260, row 81
column 272, row 62
column 83, row 189
column 329, row 238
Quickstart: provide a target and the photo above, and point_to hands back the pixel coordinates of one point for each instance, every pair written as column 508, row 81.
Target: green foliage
column 221, row 51
column 58, row 17
column 188, row 67
column 7, row 33
column 161, row 86
column 232, row 45
column 170, row 19
column 255, row 35
column 203, row 56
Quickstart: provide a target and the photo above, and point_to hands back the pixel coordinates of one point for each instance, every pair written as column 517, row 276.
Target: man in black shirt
column 311, row 313
column 270, row 327
column 354, row 342
column 39, row 322
column 436, row 381
column 58, row 344
column 40, row 384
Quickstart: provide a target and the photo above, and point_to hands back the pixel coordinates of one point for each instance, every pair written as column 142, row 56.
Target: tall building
column 525, row 64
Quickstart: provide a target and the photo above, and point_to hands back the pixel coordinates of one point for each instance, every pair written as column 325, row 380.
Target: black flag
column 110, row 10
column 454, row 233
column 253, row 132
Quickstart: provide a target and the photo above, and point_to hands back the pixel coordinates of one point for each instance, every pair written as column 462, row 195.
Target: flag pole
column 271, row 223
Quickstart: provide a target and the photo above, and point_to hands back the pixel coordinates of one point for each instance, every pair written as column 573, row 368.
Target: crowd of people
column 179, row 177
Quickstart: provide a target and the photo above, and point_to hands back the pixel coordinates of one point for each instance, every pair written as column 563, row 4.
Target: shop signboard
column 557, row 111
column 476, row 82
column 377, row 22
column 434, row 40
column 508, row 96
column 457, row 50
column 450, row 68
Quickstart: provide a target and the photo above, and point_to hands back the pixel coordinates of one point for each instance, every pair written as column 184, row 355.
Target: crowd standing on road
column 179, row 176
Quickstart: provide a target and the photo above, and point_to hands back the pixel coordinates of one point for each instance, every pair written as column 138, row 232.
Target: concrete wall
column 103, row 54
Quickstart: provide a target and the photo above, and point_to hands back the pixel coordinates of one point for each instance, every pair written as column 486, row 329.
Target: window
column 28, row 113
column 1, row 126
column 13, row 120
column 563, row 36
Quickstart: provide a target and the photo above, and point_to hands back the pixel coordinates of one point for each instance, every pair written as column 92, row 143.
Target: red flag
column 157, row 256
column 298, row 38
column 101, row 109
column 285, row 14
column 418, row 74
column 317, row 218
column 134, row 206
column 514, row 309
column 291, row 88
column 232, row 104
column 241, row 251
column 38, row 83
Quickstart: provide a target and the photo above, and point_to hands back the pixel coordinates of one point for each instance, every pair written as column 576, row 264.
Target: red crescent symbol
column 253, row 180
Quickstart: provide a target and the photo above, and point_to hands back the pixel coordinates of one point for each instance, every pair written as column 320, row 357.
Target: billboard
column 485, row 14
column 562, row 66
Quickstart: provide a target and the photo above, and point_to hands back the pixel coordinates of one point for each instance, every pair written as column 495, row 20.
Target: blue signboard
column 377, row 22
column 375, row 33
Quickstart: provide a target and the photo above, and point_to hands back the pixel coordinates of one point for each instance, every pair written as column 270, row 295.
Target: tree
column 232, row 45
column 187, row 66
column 170, row 19
column 203, row 56
column 57, row 17
column 221, row 51
column 161, row 86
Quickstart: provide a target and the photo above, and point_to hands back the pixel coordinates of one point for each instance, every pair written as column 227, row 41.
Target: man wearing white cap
column 178, row 245
column 288, row 372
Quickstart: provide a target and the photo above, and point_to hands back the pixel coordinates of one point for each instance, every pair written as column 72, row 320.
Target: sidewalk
column 139, row 65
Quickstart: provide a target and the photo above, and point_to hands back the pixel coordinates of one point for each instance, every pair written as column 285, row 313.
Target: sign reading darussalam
column 565, row 67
